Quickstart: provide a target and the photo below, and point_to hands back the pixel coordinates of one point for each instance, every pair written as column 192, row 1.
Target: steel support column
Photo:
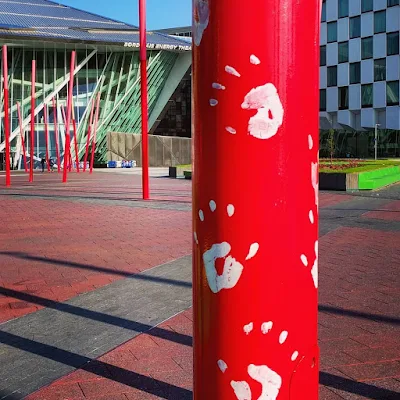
column 255, row 199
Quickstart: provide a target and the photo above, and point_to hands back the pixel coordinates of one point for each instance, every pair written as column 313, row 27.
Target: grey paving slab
column 41, row 347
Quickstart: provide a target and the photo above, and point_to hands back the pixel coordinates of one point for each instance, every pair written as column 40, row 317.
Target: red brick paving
column 389, row 212
column 42, row 238
column 359, row 340
column 358, row 274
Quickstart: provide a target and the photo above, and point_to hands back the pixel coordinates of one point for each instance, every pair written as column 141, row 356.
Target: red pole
column 88, row 137
column 143, row 98
column 46, row 133
column 22, row 135
column 65, row 146
column 96, row 120
column 75, row 145
column 32, row 133
column 56, row 134
column 255, row 196
column 68, row 117
column 6, row 117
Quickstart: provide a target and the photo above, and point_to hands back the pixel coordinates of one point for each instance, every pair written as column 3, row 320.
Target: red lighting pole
column 21, row 131
column 32, row 133
column 75, row 145
column 96, row 120
column 143, row 94
column 56, row 134
column 46, row 133
column 88, row 137
column 255, row 199
column 6, row 117
column 68, row 117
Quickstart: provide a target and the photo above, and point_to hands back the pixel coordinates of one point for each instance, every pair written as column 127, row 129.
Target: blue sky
column 160, row 13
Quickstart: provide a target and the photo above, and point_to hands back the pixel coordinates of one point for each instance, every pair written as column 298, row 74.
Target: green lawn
column 365, row 165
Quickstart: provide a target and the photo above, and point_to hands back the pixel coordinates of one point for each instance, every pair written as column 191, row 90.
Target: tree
column 331, row 143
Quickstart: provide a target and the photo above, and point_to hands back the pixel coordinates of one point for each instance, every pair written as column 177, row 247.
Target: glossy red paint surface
column 6, row 117
column 46, row 135
column 32, row 132
column 254, row 199
column 67, row 153
column 144, row 100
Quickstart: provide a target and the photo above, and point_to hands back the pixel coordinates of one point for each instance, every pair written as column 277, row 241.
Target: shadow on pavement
column 70, row 264
column 358, row 388
column 103, row 369
column 98, row 316
column 360, row 315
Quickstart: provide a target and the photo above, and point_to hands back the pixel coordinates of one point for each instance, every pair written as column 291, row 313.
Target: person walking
column 51, row 163
column 42, row 161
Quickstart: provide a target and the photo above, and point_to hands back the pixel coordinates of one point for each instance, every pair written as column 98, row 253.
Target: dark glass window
column 343, row 8
column 332, row 76
column 392, row 43
column 322, row 100
column 343, row 52
column 332, row 31
column 322, row 53
column 367, row 97
column 380, row 70
column 344, row 98
column 355, row 73
column 380, row 21
column 392, row 93
column 367, row 48
column 391, row 3
column 355, row 27
column 367, row 5
column 323, row 14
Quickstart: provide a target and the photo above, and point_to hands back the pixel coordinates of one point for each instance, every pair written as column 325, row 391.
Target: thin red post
column 32, row 133
column 143, row 99
column 68, row 116
column 21, row 131
column 56, row 134
column 46, row 133
column 69, row 166
column 255, row 199
column 88, row 136
column 96, row 120
column 75, row 145
column 6, row 117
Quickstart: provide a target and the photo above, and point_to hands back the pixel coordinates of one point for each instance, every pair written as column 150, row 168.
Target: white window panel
column 332, row 54
column 393, row 68
column 322, row 77
column 380, row 45
column 323, row 34
column 367, row 71
column 354, row 7
column 393, row 117
column 332, row 99
column 379, row 94
column 393, row 19
column 354, row 97
column 331, row 10
column 343, row 74
column 367, row 24
column 380, row 4
column 343, row 29
column 354, row 50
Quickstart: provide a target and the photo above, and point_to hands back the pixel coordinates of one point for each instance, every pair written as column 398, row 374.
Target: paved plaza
column 95, row 290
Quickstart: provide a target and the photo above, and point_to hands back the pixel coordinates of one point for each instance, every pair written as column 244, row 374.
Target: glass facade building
column 107, row 63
